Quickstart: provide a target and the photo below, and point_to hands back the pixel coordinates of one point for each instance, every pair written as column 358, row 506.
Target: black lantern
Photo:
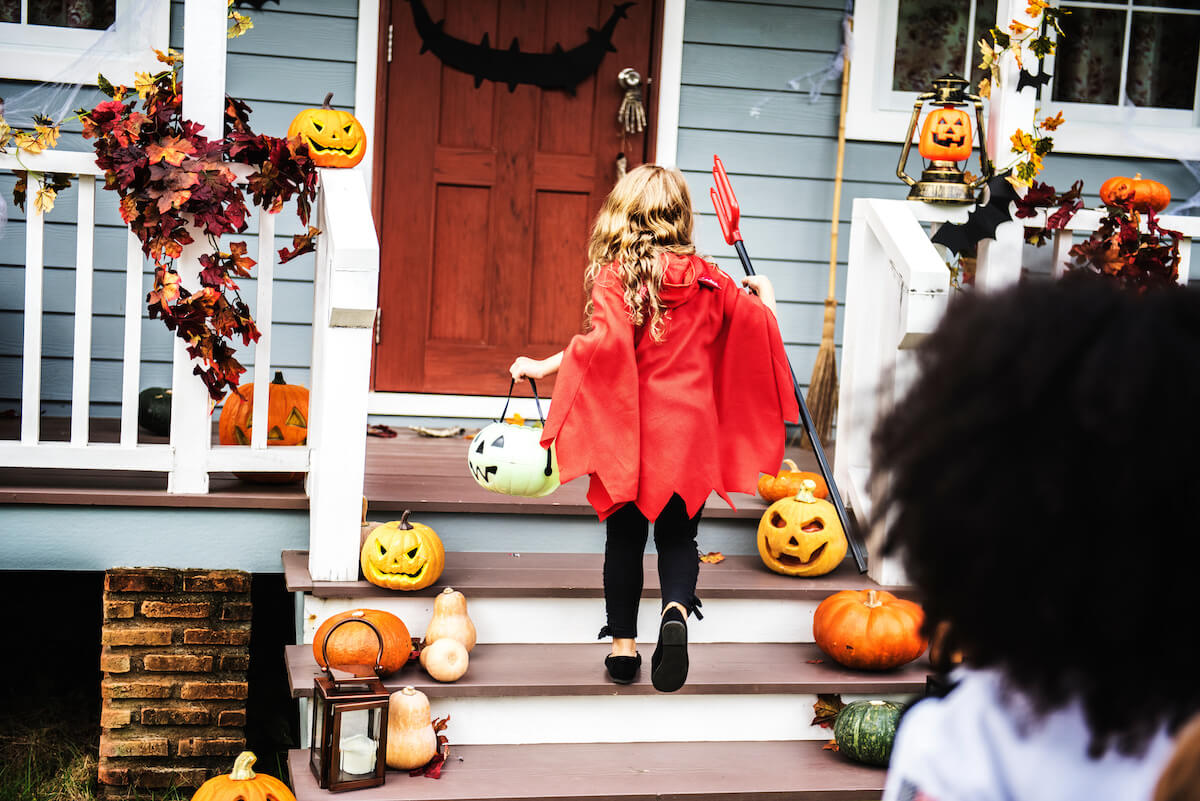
column 349, row 723
column 945, row 141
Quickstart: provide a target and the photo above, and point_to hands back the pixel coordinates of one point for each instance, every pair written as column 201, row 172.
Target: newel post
column 204, row 36
column 344, row 301
column 999, row 263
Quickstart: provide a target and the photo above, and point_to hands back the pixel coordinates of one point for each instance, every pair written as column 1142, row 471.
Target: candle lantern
column 349, row 723
column 945, row 141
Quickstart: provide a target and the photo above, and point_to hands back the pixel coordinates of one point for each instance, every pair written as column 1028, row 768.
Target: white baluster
column 81, row 364
column 263, row 315
column 31, row 363
column 132, row 368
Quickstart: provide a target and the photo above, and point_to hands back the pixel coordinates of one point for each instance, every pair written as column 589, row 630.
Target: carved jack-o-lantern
column 287, row 422
column 403, row 556
column 335, row 138
column 509, row 459
column 946, row 135
column 801, row 535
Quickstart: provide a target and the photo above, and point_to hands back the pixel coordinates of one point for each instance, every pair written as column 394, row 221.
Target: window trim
column 49, row 53
column 876, row 113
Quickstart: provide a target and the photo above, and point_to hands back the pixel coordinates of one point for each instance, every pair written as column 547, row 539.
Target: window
column 70, row 41
column 1145, row 51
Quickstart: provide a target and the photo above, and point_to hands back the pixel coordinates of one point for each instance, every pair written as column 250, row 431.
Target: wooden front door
column 488, row 195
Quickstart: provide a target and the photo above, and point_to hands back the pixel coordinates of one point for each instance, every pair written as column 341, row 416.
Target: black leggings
column 678, row 563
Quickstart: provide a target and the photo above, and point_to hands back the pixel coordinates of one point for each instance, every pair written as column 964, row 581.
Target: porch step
column 701, row 771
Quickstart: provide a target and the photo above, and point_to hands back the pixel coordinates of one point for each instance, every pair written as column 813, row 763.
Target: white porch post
column 204, row 35
column 1000, row 260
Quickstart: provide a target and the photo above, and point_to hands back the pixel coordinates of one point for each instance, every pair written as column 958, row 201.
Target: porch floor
column 405, row 472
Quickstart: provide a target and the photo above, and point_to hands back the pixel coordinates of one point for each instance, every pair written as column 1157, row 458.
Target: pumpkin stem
column 805, row 495
column 404, row 525
column 408, row 691
column 278, row 377
column 447, row 591
column 873, row 599
column 791, row 465
column 242, row 767
column 326, row 104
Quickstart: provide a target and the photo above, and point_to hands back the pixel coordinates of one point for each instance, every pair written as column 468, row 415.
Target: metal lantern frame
column 333, row 698
column 943, row 181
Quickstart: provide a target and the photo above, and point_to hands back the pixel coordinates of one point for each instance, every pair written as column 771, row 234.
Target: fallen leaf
column 830, row 746
column 816, row 661
column 515, row 419
column 713, row 557
column 826, row 709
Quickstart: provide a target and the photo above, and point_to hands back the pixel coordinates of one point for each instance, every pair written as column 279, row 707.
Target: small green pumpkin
column 865, row 731
column 154, row 410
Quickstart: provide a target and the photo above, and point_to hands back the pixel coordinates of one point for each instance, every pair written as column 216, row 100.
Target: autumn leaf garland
column 170, row 177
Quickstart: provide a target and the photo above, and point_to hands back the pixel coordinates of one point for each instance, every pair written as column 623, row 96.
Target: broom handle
column 837, row 176
column 856, row 544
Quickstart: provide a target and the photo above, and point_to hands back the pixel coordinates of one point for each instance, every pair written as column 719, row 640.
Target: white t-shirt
column 974, row 745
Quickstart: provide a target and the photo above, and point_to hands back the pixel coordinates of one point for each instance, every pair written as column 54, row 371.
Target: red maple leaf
column 172, row 150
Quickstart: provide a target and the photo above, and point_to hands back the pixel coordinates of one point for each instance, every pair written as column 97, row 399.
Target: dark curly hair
column 1039, row 486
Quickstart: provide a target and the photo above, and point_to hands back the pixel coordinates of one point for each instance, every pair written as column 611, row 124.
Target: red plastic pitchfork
column 728, row 214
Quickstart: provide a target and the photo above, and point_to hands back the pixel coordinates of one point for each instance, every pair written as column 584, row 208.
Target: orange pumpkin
column 869, row 629
column 788, row 483
column 403, row 556
column 1140, row 193
column 946, row 135
column 357, row 644
column 287, row 418
column 243, row 784
column 801, row 536
column 335, row 138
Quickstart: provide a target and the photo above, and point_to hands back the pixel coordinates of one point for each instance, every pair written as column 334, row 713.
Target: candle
column 358, row 754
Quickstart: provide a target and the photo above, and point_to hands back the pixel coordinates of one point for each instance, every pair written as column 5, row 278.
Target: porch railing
column 896, row 293
column 344, row 302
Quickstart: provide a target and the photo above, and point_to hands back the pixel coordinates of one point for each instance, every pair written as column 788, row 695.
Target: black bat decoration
column 1029, row 79
column 257, row 5
column 981, row 223
column 558, row 69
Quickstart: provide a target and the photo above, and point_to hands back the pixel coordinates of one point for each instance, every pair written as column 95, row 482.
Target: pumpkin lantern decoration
column 403, row 556
column 287, row 422
column 801, row 535
column 335, row 138
column 243, row 784
column 946, row 135
column 788, row 482
column 1139, row 193
column 945, row 141
column 354, row 646
column 869, row 629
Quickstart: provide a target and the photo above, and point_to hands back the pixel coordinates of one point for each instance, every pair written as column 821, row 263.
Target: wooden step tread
column 706, row 771
column 506, row 669
column 566, row 575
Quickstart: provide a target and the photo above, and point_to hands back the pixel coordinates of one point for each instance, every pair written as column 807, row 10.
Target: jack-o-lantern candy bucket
column 801, row 535
column 509, row 459
column 946, row 135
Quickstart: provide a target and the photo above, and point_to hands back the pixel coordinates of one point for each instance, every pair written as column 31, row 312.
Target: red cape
column 702, row 410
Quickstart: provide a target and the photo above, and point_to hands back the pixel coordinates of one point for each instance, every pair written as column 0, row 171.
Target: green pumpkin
column 154, row 410
column 865, row 731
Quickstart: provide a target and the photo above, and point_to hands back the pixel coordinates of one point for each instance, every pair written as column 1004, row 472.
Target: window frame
column 875, row 112
column 48, row 53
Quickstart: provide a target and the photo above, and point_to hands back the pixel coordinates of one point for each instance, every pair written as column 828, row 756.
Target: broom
column 822, row 394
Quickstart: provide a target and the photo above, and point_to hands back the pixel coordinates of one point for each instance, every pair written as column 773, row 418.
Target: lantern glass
column 349, row 733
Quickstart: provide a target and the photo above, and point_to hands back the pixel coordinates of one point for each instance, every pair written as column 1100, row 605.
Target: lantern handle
column 986, row 170
column 536, row 401
column 912, row 126
column 325, row 645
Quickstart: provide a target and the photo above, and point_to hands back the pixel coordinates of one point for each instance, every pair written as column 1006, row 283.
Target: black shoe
column 669, row 665
column 623, row 669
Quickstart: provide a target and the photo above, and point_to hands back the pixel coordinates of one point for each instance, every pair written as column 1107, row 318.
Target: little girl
column 679, row 388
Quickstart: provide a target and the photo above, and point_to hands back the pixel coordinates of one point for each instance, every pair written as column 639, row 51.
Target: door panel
column 488, row 195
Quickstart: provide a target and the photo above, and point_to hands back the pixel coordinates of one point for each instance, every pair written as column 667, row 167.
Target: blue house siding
column 290, row 59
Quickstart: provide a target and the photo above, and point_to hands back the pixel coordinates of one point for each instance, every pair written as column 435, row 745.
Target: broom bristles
column 823, row 387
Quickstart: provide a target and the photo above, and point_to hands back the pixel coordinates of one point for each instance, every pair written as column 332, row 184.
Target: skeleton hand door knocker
column 632, row 113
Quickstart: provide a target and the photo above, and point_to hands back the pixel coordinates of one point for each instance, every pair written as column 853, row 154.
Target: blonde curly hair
column 647, row 213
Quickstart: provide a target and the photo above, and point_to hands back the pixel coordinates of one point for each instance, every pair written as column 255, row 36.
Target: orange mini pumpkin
column 403, row 556
column 243, row 784
column 335, row 138
column 357, row 644
column 946, row 135
column 287, row 421
column 788, row 483
column 801, row 535
column 869, row 629
column 1140, row 193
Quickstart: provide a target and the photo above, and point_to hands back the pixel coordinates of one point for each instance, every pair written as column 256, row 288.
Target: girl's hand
column 761, row 285
column 525, row 367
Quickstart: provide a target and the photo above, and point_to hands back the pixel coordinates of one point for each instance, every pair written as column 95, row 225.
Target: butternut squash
column 445, row 659
column 450, row 619
column 411, row 740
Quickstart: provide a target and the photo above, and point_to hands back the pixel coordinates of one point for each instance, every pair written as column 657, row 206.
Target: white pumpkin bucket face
column 508, row 459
